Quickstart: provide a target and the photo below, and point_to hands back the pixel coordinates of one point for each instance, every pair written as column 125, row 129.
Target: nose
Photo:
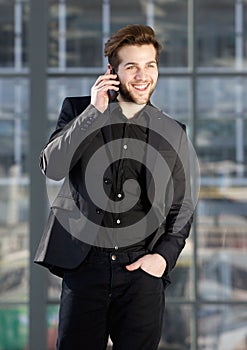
column 140, row 74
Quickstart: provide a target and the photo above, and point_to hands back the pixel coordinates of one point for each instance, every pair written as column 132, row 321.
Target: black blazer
column 65, row 157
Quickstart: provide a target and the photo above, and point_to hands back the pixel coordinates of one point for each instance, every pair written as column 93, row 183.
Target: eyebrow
column 136, row 63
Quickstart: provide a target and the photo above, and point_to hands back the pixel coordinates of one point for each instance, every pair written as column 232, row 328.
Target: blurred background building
column 51, row 49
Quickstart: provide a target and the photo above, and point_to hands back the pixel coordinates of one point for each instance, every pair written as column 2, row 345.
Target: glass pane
column 221, row 96
column 13, row 32
column 222, row 112
column 171, row 26
column 75, row 34
column 222, row 223
column 25, row 31
column 223, row 263
column 222, row 327
column 58, row 89
column 127, row 12
column 176, row 332
column 14, row 242
column 52, row 323
column 14, row 90
column 216, row 33
column 13, row 125
column 216, row 141
column 13, row 328
column 53, row 35
column 244, row 13
column 14, row 191
column 181, row 277
column 7, row 34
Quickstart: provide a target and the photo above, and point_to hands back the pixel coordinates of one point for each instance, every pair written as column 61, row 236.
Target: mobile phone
column 112, row 93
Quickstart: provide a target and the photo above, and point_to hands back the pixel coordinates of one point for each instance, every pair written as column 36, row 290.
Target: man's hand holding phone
column 100, row 95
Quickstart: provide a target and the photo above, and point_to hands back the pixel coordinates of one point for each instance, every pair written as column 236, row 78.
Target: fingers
column 153, row 264
column 134, row 266
column 106, row 82
column 99, row 91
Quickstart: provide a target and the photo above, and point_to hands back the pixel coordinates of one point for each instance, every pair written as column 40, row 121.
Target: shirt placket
column 120, row 176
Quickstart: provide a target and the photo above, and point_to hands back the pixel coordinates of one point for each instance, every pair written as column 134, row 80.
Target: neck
column 130, row 109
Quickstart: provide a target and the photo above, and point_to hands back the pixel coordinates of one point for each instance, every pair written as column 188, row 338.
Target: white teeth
column 140, row 87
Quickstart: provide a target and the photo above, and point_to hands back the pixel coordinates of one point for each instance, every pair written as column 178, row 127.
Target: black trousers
column 102, row 298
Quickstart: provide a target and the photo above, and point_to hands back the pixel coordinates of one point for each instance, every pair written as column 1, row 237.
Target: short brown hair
column 133, row 34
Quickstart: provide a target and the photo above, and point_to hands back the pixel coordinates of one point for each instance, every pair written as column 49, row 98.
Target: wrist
column 100, row 109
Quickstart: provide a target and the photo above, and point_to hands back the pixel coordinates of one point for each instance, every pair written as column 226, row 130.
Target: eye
column 151, row 65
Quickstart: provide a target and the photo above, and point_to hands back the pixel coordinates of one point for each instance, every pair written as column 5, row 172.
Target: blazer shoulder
column 71, row 108
column 170, row 120
column 160, row 114
column 78, row 103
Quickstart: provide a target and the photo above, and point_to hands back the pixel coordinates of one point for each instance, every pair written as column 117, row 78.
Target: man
column 115, row 254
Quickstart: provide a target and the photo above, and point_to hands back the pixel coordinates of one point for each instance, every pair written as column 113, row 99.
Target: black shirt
column 128, row 164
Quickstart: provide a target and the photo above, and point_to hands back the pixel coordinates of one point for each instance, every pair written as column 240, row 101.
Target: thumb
column 134, row 266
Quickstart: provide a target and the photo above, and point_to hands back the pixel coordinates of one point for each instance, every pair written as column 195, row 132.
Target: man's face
column 137, row 72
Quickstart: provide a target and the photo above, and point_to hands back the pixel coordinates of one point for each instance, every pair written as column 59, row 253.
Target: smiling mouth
column 140, row 87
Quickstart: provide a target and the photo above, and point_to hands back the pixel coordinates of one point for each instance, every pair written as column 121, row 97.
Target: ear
column 110, row 67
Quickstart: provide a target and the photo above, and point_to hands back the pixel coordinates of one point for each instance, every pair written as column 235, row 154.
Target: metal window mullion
column 193, row 103
column 106, row 15
column 62, row 35
column 17, row 126
column 18, row 35
column 37, row 135
column 239, row 91
column 150, row 13
column 239, row 32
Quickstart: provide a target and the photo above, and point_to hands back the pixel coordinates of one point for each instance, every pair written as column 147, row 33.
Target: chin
column 142, row 100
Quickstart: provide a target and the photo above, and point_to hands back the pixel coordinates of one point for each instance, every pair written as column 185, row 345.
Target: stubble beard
column 127, row 96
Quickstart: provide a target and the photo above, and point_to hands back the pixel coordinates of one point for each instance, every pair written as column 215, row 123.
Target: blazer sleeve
column 71, row 138
column 176, row 227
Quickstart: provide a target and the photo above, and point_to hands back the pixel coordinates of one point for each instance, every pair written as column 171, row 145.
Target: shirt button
column 99, row 211
column 118, row 221
column 107, row 181
column 116, row 248
column 120, row 195
column 125, row 146
column 114, row 257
